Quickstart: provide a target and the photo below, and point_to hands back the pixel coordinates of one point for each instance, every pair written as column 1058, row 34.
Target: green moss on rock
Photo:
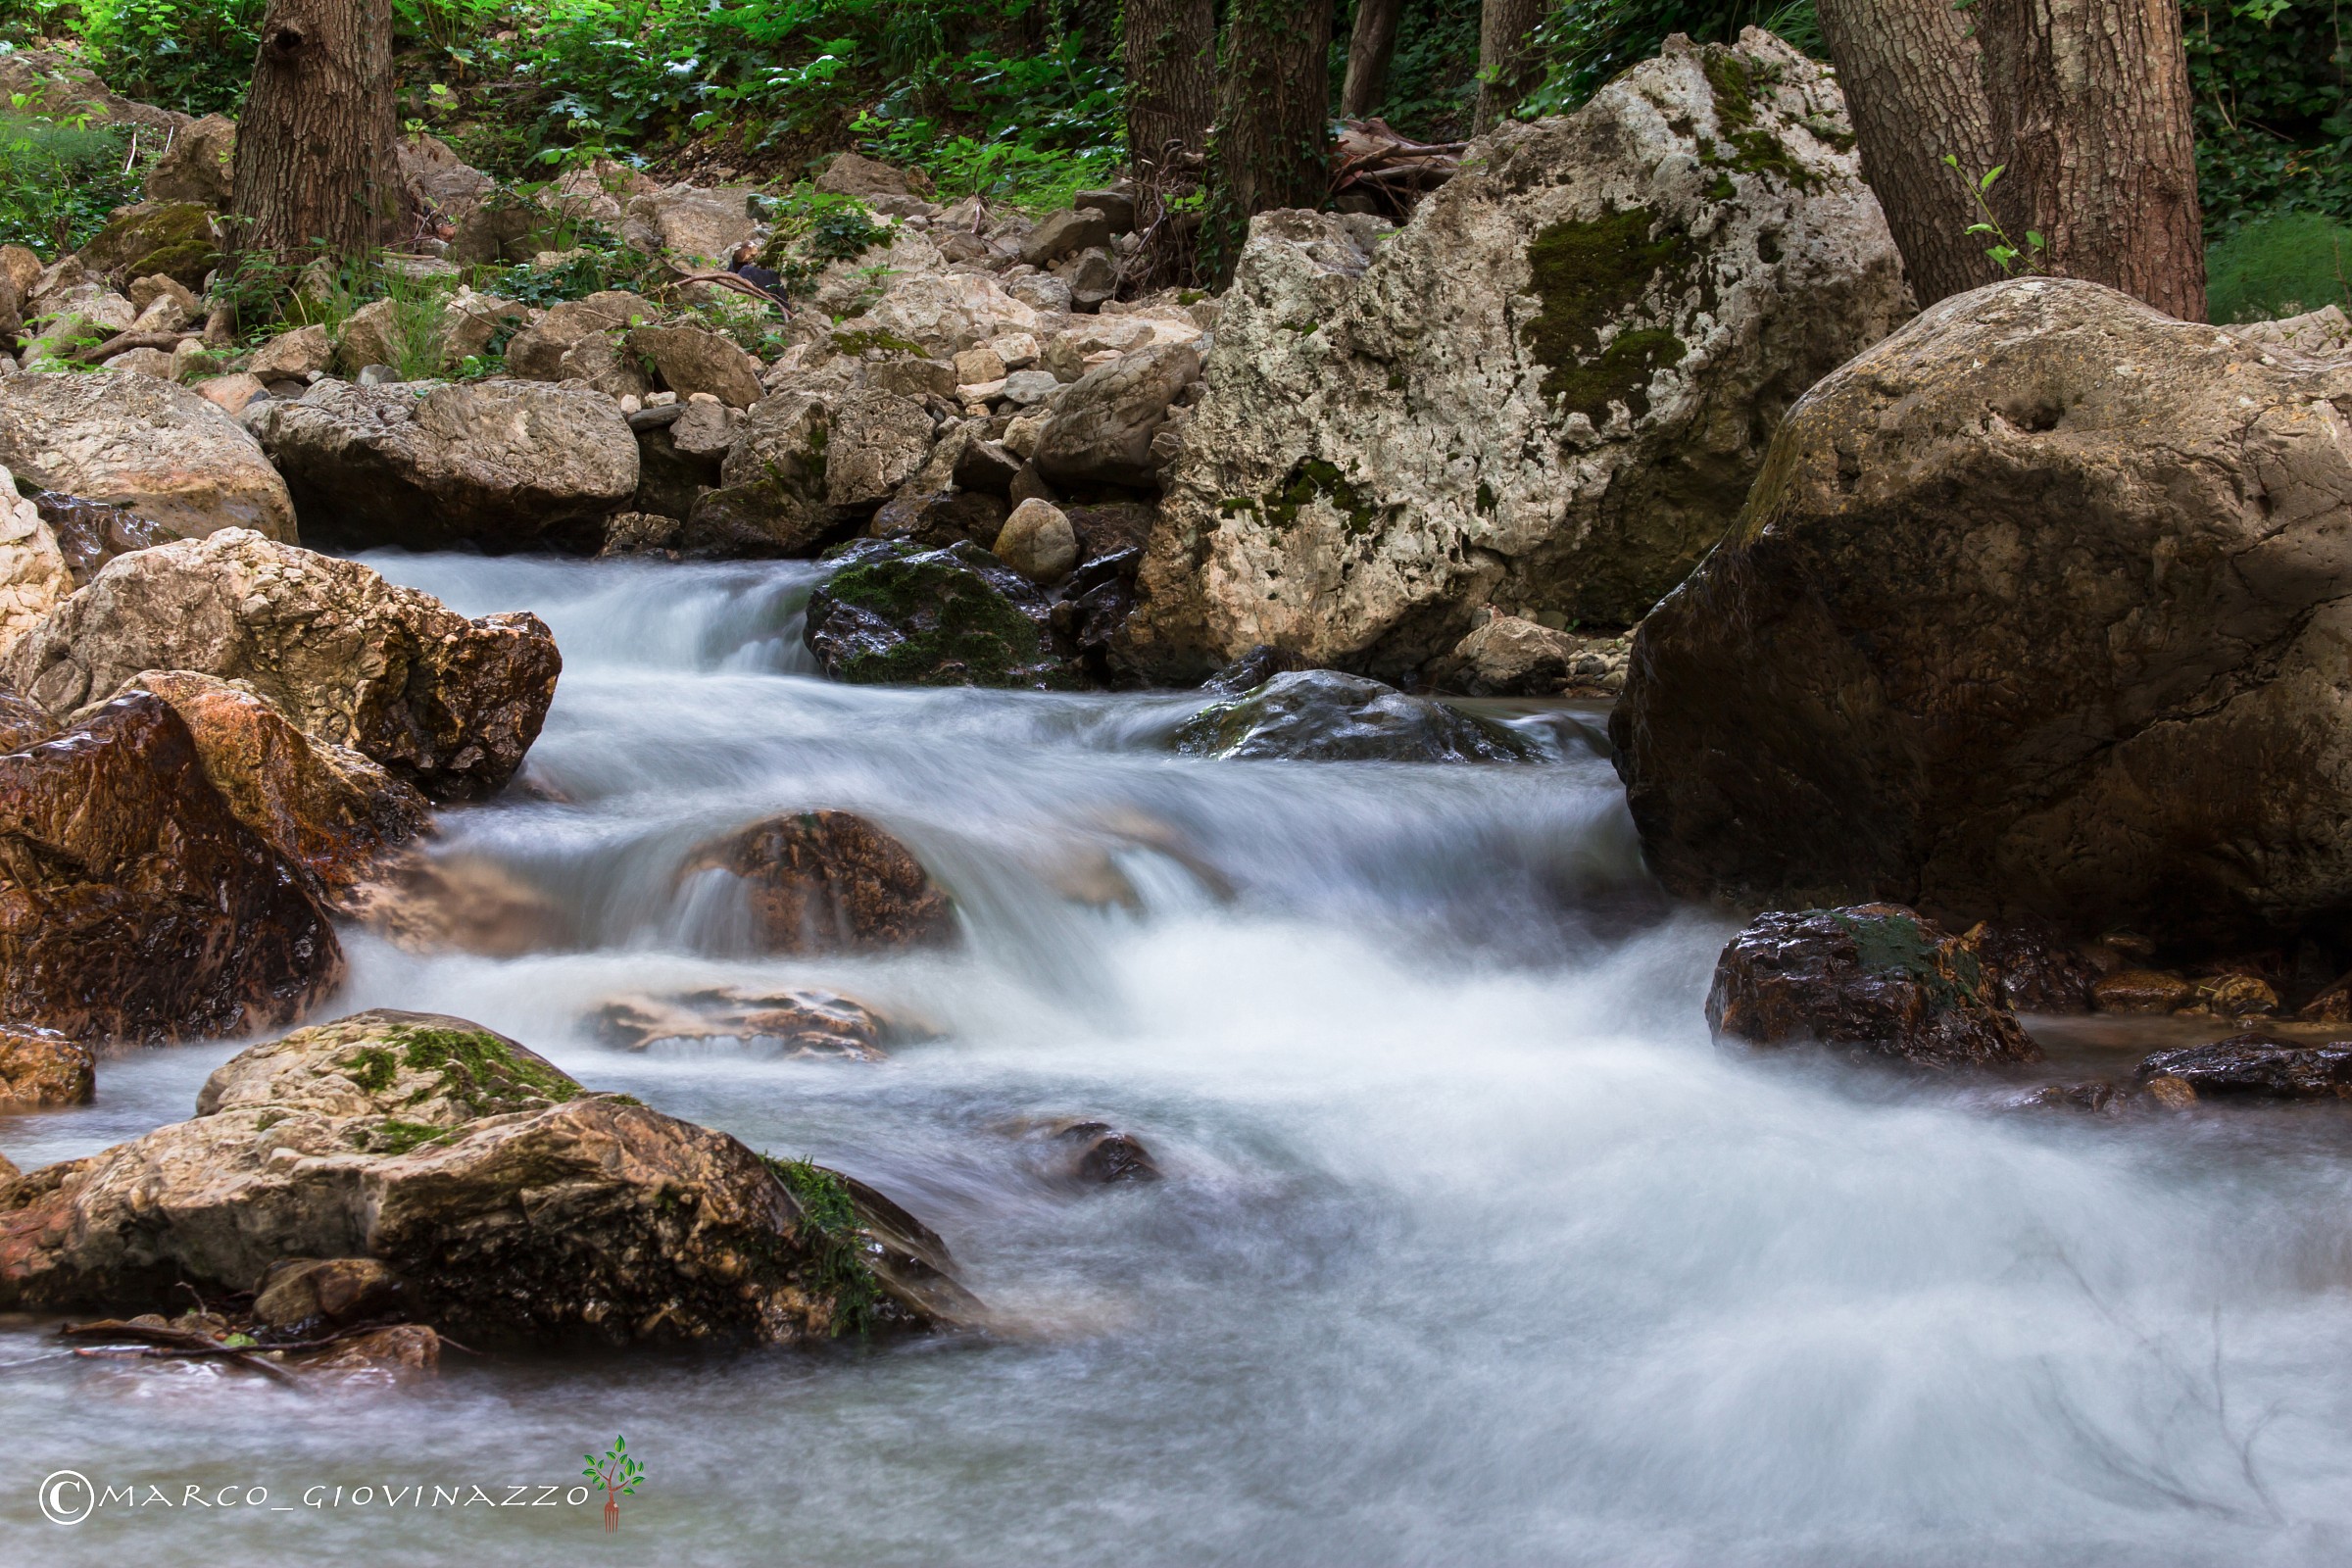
column 1755, row 150
column 478, row 1070
column 1587, row 275
column 1312, row 479
column 835, row 1237
column 897, row 614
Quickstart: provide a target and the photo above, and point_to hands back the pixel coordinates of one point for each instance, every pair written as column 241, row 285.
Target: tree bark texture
column 2090, row 105
column 1171, row 78
column 1270, row 145
column 1915, row 91
column 1370, row 47
column 315, row 163
column 1508, row 68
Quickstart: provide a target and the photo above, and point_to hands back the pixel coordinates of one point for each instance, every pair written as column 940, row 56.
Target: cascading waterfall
column 1473, row 1247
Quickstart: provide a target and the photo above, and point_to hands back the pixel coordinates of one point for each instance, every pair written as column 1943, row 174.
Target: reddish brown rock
column 2034, row 967
column 1874, row 982
column 2143, row 991
column 833, row 882
column 798, row 1024
column 133, row 904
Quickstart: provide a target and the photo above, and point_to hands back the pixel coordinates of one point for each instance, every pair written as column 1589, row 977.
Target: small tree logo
column 616, row 1473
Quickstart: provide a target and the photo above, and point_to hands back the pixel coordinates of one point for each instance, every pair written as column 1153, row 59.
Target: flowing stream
column 1472, row 1248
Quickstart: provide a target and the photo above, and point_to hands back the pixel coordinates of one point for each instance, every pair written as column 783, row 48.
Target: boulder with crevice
column 1551, row 389
column 2041, row 609
column 145, row 444
column 1100, row 430
column 447, row 704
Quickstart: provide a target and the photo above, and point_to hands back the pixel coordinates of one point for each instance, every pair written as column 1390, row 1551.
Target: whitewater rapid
column 1472, row 1248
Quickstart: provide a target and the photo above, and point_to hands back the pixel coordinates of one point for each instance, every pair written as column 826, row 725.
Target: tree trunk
column 2090, row 110
column 316, row 166
column 1369, row 49
column 1171, row 78
column 1915, row 91
column 1508, row 68
column 1269, row 147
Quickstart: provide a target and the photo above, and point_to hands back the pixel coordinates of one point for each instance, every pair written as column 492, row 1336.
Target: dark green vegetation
column 836, row 1240
column 477, row 1070
column 1310, row 479
column 1586, row 274
column 58, row 180
column 897, row 614
column 1895, row 943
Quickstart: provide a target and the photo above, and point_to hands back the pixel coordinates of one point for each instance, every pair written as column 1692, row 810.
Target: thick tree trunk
column 1370, row 47
column 1507, row 65
column 316, row 166
column 2090, row 111
column 1171, row 78
column 1269, row 147
column 1915, row 91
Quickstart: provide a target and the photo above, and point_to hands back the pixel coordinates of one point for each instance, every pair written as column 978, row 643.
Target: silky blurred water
column 1473, row 1249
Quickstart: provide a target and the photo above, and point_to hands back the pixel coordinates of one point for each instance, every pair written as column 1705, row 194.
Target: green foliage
column 58, row 180
column 2272, row 81
column 1432, row 84
column 195, row 56
column 617, row 1472
column 2007, row 254
column 2277, row 265
column 836, row 1241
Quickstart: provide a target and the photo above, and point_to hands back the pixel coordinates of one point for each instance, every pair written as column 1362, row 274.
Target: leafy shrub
column 2273, row 112
column 2281, row 264
column 195, row 56
column 58, row 180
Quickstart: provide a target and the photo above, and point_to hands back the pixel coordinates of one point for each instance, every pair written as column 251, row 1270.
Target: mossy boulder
column 1874, row 982
column 1320, row 716
column 176, row 239
column 1544, row 396
column 506, row 1202
column 893, row 613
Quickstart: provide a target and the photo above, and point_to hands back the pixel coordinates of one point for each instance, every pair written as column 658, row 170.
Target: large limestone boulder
column 2041, row 608
column 493, row 465
column 197, row 165
column 942, row 313
column 327, row 809
column 695, row 223
column 178, row 240
column 580, row 340
column 1100, row 430
column 133, row 904
column 446, row 704
column 145, row 444
column 437, row 182
column 1548, row 392
column 694, row 359
column 877, row 442
column 57, row 86
column 497, row 1198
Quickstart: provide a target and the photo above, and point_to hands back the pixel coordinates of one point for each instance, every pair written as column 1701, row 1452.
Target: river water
column 1472, row 1248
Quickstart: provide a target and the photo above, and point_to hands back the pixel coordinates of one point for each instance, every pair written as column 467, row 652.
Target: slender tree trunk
column 1369, row 49
column 1507, row 65
column 1171, row 78
column 2090, row 108
column 1915, row 91
column 316, row 165
column 1270, row 146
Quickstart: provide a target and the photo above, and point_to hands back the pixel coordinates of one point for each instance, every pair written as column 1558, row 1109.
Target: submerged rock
column 133, row 904
column 1874, row 982
column 2041, row 608
column 491, row 465
column 144, row 445
column 1549, row 390
column 1320, row 716
column 832, row 882
column 509, row 1204
column 2256, row 1065
column 895, row 613
column 446, row 704
column 801, row 1024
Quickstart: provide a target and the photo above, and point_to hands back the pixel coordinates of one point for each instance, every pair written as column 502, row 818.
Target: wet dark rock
column 1322, row 716
column 1875, row 982
column 2256, row 1065
column 1253, row 669
column 2036, row 971
column 793, row 1024
column 510, row 1203
column 133, row 904
column 832, row 882
column 1101, row 1154
column 895, row 613
column 2097, row 1096
column 941, row 518
column 1095, row 602
column 759, row 519
column 298, row 1292
column 91, row 533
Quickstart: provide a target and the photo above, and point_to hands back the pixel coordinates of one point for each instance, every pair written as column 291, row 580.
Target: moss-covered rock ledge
column 493, row 1197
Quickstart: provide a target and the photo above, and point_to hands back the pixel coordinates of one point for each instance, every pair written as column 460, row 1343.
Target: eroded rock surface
column 1546, row 393
column 145, row 444
column 2043, row 608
